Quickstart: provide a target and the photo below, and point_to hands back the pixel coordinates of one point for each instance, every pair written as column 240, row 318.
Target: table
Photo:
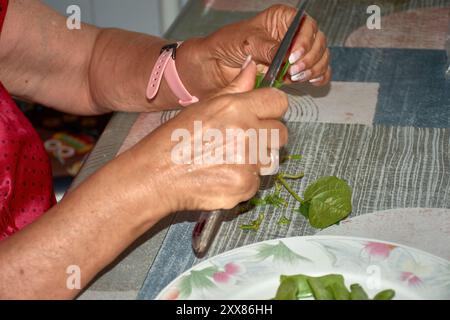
column 383, row 125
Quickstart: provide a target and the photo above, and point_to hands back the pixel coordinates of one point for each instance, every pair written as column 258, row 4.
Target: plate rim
column 249, row 246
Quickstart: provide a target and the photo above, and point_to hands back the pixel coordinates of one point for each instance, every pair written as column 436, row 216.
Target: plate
column 426, row 229
column 252, row 272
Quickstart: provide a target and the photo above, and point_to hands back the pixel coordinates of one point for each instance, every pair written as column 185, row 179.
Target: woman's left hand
column 221, row 55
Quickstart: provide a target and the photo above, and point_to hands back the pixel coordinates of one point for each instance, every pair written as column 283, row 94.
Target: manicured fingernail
column 247, row 62
column 296, row 68
column 316, row 79
column 302, row 76
column 293, row 58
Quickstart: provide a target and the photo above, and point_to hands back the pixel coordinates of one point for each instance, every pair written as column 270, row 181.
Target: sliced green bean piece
column 339, row 291
column 320, row 292
column 385, row 295
column 358, row 293
column 303, row 289
column 287, row 290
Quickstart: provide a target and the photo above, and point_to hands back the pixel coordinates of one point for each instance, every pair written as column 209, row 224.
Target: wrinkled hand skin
column 219, row 56
column 209, row 186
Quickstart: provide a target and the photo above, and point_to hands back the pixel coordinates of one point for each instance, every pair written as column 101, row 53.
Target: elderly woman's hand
column 207, row 185
column 220, row 55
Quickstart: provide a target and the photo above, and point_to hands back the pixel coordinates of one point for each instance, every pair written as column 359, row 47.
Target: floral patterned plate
column 253, row 272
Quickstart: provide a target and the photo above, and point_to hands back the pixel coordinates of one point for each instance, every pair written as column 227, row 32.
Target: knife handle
column 205, row 230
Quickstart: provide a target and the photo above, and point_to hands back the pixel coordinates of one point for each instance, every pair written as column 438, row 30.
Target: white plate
column 424, row 229
column 253, row 272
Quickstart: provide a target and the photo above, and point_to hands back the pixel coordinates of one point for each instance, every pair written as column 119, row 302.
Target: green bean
column 303, row 289
column 320, row 292
column 358, row 293
column 385, row 295
column 287, row 290
column 339, row 291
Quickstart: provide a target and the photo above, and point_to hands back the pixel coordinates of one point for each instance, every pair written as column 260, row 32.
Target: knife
column 209, row 222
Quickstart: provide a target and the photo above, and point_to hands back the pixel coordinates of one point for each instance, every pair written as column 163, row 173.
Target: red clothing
column 26, row 190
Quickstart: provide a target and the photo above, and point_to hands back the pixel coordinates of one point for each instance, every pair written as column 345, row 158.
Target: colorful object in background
column 67, row 138
column 63, row 146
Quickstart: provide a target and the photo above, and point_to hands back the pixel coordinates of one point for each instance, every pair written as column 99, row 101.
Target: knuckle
column 284, row 134
column 252, row 187
column 305, row 43
column 328, row 55
column 322, row 40
column 269, row 54
column 231, row 106
column 275, row 7
column 282, row 100
column 321, row 36
column 241, row 182
column 313, row 23
column 224, row 100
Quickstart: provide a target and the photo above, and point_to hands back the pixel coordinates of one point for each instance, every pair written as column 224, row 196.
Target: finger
column 304, row 40
column 263, row 50
column 277, row 130
column 253, row 187
column 273, row 166
column 274, row 22
column 312, row 57
column 321, row 66
column 322, row 80
column 267, row 103
column 317, row 51
column 245, row 80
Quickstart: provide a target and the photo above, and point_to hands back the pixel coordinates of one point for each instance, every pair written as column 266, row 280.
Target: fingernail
column 296, row 68
column 246, row 62
column 293, row 58
column 302, row 76
column 316, row 79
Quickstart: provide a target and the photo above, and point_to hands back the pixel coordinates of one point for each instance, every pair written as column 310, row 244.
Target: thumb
column 245, row 80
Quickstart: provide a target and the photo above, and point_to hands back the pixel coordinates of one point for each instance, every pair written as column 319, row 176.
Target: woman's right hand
column 191, row 186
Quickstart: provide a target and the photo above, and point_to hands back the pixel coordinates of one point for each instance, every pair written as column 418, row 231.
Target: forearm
column 87, row 71
column 120, row 70
column 89, row 229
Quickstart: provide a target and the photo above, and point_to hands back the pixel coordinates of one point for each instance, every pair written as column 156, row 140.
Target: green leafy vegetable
column 357, row 292
column 272, row 199
column 284, row 221
column 288, row 290
column 303, row 289
column 328, row 287
column 339, row 291
column 291, row 157
column 327, row 201
column 259, row 79
column 385, row 295
column 319, row 290
column 254, row 225
column 304, row 210
column 278, row 82
column 282, row 177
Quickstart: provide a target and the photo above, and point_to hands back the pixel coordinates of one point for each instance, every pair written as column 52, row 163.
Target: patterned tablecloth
column 383, row 125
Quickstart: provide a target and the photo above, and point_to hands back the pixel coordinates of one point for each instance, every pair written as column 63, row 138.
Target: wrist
column 177, row 84
column 189, row 62
column 138, row 198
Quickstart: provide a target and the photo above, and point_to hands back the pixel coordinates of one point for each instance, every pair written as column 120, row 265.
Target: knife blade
column 209, row 222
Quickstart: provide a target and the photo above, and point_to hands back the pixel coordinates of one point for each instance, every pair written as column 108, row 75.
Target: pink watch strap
column 165, row 66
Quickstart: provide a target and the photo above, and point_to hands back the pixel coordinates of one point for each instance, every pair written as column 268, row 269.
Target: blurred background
column 149, row 16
